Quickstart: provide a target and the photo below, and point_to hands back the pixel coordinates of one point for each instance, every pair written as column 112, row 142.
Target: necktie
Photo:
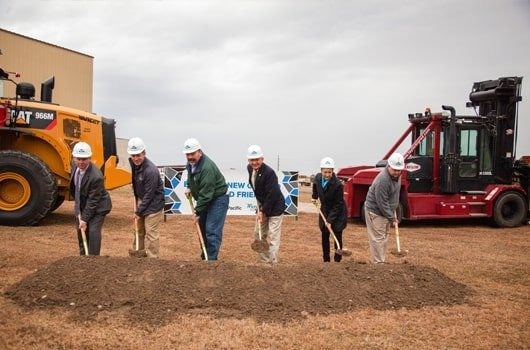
column 78, row 179
column 254, row 176
column 77, row 197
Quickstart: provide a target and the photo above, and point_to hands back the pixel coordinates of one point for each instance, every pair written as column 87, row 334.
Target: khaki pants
column 148, row 228
column 377, row 227
column 271, row 229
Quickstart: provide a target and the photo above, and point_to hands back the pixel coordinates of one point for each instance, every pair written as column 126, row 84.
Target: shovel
column 137, row 253
column 260, row 245
column 399, row 253
column 83, row 236
column 344, row 252
column 199, row 233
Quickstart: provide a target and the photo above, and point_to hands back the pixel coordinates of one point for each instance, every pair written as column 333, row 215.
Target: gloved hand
column 315, row 202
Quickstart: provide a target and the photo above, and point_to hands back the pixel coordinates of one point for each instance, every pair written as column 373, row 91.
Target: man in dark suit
column 92, row 201
column 271, row 203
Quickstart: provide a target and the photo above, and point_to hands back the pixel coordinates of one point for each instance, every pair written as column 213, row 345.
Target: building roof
column 44, row 42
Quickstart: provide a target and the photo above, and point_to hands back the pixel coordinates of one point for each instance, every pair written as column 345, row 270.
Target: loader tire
column 28, row 190
column 510, row 210
column 57, row 203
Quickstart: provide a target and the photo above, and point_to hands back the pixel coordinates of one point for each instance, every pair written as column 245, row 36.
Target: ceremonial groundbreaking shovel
column 83, row 237
column 344, row 252
column 399, row 253
column 199, row 232
column 136, row 252
column 259, row 245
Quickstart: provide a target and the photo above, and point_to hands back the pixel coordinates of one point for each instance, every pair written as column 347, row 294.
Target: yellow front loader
column 36, row 141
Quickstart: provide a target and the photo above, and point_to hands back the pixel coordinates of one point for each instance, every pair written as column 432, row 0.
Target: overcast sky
column 303, row 79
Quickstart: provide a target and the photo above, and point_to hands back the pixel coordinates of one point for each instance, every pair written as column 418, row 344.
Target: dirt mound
column 155, row 291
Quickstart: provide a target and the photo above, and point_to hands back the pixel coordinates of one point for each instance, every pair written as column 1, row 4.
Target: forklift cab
column 459, row 154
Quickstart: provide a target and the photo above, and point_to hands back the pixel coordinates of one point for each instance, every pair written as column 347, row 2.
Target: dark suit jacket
column 332, row 202
column 94, row 198
column 267, row 191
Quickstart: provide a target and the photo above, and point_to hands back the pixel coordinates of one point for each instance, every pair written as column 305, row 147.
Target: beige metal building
column 36, row 61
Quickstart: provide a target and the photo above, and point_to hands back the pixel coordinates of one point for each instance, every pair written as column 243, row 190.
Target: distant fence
column 242, row 200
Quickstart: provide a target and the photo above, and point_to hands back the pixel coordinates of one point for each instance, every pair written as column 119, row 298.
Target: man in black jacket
column 92, row 201
column 149, row 198
column 271, row 202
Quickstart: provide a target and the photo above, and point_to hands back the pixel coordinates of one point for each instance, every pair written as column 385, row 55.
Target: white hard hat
column 135, row 146
column 82, row 150
column 396, row 161
column 191, row 145
column 254, row 151
column 327, row 163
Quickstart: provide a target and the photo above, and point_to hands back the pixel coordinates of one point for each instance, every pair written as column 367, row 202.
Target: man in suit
column 92, row 201
column 271, row 203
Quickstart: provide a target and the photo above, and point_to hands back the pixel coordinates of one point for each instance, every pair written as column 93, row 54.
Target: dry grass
column 493, row 262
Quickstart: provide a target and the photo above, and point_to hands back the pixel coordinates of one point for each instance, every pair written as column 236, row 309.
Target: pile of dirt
column 155, row 291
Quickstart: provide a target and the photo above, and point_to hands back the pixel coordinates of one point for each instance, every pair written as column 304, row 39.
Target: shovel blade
column 260, row 246
column 344, row 252
column 398, row 253
column 137, row 253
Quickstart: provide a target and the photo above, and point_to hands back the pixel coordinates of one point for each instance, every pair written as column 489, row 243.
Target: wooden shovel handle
column 396, row 227
column 199, row 232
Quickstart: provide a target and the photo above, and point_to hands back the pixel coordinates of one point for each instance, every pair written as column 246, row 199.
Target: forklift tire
column 28, row 189
column 510, row 210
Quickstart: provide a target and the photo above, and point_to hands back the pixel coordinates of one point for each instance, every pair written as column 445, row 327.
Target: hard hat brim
column 254, row 157
column 193, row 150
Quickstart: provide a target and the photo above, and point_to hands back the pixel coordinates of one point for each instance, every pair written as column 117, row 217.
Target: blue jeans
column 211, row 222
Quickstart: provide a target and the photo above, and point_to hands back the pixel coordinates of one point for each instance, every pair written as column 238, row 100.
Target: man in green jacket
column 208, row 187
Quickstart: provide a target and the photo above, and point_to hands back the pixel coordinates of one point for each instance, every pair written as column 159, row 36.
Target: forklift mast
column 496, row 101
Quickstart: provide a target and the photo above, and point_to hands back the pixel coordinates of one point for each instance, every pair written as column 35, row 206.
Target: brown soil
column 456, row 283
column 154, row 291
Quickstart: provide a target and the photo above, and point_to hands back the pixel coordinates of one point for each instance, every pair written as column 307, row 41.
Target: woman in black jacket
column 329, row 190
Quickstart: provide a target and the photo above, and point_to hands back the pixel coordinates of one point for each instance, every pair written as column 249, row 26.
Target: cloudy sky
column 303, row 79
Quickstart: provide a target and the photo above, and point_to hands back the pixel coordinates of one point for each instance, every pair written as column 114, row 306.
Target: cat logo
column 22, row 117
